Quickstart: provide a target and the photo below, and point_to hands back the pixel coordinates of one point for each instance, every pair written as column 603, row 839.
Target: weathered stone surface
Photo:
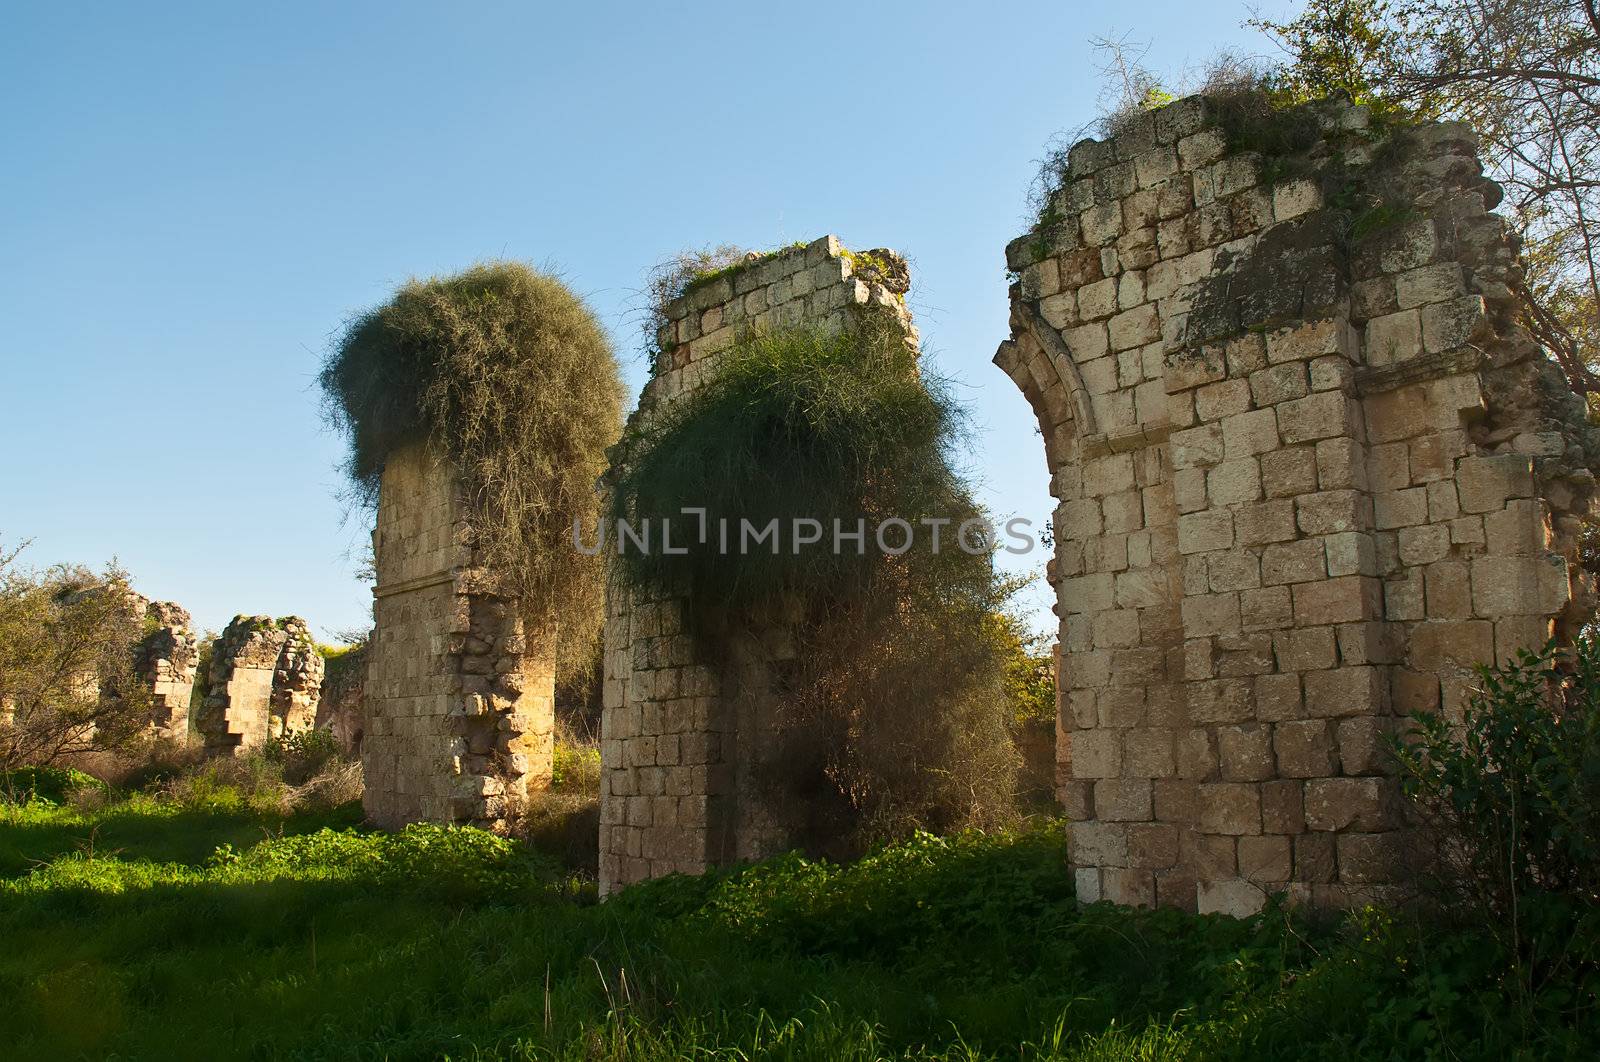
column 265, row 683
column 458, row 698
column 700, row 735
column 1369, row 473
column 166, row 659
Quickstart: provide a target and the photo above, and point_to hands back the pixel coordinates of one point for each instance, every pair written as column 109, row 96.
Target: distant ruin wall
column 1308, row 471
column 685, row 736
column 165, row 659
column 459, row 711
column 265, row 681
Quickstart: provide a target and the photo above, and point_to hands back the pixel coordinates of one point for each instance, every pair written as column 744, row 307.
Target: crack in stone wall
column 1305, row 479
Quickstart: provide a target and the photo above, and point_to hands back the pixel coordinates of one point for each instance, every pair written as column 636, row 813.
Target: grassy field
column 212, row 925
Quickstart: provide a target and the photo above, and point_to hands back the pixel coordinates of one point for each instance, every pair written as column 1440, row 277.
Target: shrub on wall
column 894, row 705
column 507, row 373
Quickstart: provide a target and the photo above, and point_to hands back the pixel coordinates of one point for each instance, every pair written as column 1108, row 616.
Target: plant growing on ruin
column 1514, row 789
column 508, row 374
column 67, row 638
column 895, row 708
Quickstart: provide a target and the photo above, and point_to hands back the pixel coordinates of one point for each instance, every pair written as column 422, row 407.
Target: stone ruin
column 1308, row 469
column 165, row 660
column 459, row 710
column 686, row 738
column 264, row 684
column 342, row 709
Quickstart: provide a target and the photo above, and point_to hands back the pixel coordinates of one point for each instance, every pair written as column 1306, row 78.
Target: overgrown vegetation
column 1511, row 799
column 1524, row 75
column 894, row 711
column 67, row 638
column 153, row 928
column 511, row 377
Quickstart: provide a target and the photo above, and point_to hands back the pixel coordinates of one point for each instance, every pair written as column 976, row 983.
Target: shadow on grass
column 186, row 836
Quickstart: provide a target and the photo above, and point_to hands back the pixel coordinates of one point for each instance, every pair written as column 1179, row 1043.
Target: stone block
column 1250, row 433
column 1279, row 383
column 1097, row 843
column 1265, row 859
column 1224, row 398
column 1235, row 897
column 1484, row 484
column 1293, row 562
column 1200, row 447
column 1394, row 338
column 1093, row 754
column 1130, row 887
column 1342, row 600
column 1221, row 701
column 1235, row 482
column 1305, row 748
column 1278, row 697
column 1203, row 531
column 1286, row 473
column 1448, row 325
column 1230, row 808
column 1364, row 746
column 1516, row 586
column 1331, row 512
column 1400, row 508
column 1268, row 608
column 1366, row 805
column 1522, row 528
column 1283, row 807
column 1345, row 691
column 1440, row 282
column 1325, row 415
column 1264, row 523
column 1315, row 858
column 1122, row 800
column 1246, row 752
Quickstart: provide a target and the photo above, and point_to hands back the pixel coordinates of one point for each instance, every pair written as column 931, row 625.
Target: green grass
column 125, row 932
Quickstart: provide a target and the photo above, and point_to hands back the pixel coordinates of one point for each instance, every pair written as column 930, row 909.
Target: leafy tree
column 67, row 686
column 1525, row 74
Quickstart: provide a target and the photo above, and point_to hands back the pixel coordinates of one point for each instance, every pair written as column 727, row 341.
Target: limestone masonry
column 685, row 736
column 165, row 659
column 1308, row 470
column 459, row 706
column 265, row 681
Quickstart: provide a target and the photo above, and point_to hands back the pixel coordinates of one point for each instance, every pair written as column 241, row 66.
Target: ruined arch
column 1307, row 473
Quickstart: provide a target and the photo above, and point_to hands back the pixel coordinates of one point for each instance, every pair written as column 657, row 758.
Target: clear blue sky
column 195, row 196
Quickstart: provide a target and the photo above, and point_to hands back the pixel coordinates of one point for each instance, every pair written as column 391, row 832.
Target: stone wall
column 685, row 736
column 165, row 659
column 1308, row 470
column 460, row 710
column 266, row 678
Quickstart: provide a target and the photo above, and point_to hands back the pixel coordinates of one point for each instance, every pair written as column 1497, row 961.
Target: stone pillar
column 685, row 735
column 266, row 678
column 460, row 705
column 1308, row 471
column 165, row 659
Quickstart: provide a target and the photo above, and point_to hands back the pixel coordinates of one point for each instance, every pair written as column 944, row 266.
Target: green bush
column 893, row 713
column 302, row 754
column 122, row 939
column 48, row 785
column 1513, row 791
column 512, row 378
column 794, row 424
